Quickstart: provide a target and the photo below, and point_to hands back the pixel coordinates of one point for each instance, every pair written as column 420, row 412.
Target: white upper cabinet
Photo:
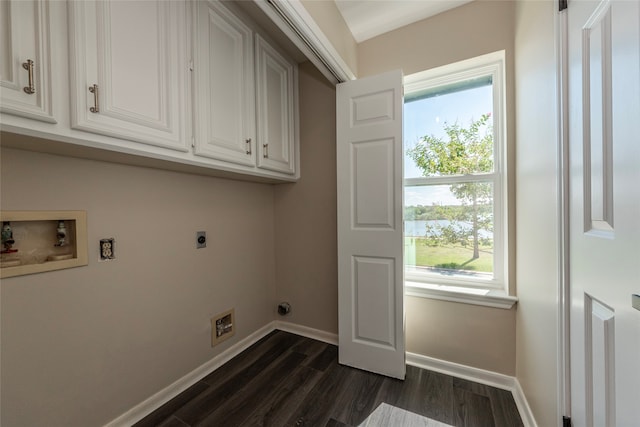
column 25, row 59
column 224, row 91
column 276, row 87
column 128, row 64
column 183, row 84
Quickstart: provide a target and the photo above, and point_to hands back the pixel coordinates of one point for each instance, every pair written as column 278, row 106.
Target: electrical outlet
column 107, row 249
column 201, row 239
column 222, row 327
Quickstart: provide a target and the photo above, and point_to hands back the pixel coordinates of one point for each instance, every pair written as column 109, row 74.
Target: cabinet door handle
column 31, row 89
column 94, row 90
column 265, row 151
column 248, row 142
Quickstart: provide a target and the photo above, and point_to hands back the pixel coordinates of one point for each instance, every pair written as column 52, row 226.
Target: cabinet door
column 224, row 92
column 128, row 65
column 25, row 62
column 276, row 81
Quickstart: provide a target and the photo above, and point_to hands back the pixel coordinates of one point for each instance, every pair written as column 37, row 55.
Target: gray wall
column 305, row 218
column 81, row 346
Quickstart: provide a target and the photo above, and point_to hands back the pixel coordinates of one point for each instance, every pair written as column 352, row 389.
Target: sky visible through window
column 427, row 116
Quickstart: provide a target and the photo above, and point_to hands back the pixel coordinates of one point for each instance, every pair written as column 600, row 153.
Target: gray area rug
column 387, row 415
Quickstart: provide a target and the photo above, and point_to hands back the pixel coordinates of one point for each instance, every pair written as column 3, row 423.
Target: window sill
column 485, row 297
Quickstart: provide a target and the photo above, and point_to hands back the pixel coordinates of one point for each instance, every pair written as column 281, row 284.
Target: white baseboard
column 306, row 331
column 143, row 409
column 523, row 405
column 478, row 375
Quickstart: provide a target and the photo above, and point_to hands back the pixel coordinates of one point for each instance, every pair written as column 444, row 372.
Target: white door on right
column 604, row 135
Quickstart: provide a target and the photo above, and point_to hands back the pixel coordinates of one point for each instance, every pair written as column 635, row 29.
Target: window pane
column 449, row 229
column 450, row 133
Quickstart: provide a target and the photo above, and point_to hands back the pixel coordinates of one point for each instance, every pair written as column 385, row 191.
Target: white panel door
column 604, row 129
column 128, row 61
column 370, row 263
column 224, row 95
column 276, row 86
column 25, row 61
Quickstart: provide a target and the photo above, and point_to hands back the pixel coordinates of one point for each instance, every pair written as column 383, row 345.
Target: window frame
column 493, row 65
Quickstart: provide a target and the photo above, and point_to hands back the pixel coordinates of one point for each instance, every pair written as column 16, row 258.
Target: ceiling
column 370, row 18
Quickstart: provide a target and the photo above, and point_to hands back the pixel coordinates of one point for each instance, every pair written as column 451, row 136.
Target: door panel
column 374, row 301
column 370, row 265
column 373, row 184
column 120, row 54
column 604, row 106
column 600, row 360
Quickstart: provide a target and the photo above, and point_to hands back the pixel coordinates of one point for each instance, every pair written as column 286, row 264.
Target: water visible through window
column 449, row 169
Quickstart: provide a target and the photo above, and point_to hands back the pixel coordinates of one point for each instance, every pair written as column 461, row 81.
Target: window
column 454, row 183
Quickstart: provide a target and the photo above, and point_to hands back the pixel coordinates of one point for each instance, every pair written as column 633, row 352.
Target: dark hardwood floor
column 289, row 380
